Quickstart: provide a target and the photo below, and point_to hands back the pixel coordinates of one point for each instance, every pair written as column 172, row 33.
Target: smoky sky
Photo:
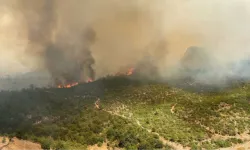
column 66, row 60
column 76, row 40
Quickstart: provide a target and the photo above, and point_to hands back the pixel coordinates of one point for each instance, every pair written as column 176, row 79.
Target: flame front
column 129, row 72
column 68, row 85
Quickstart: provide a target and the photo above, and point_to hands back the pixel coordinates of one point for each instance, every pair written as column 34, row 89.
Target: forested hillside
column 132, row 115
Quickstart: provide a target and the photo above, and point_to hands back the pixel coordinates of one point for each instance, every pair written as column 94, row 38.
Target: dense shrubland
column 66, row 118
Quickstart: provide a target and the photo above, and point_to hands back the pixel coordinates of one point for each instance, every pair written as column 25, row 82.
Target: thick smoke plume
column 66, row 60
column 76, row 40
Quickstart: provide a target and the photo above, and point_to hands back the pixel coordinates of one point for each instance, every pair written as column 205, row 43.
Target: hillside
column 133, row 114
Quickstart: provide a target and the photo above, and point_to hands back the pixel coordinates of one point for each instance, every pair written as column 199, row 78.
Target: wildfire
column 129, row 72
column 68, row 85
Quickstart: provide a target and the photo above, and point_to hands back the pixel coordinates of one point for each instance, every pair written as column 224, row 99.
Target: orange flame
column 130, row 71
column 68, row 85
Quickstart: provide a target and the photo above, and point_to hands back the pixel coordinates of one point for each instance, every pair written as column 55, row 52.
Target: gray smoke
column 65, row 60
column 76, row 40
column 68, row 63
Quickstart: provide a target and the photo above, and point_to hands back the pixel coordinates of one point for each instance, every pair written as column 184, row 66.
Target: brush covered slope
column 132, row 115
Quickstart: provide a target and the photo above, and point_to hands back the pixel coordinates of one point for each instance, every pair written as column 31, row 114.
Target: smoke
column 76, row 40
column 65, row 54
column 219, row 27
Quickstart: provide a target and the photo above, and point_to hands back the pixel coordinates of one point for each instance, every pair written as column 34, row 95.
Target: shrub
column 131, row 147
column 144, row 146
column 45, row 144
column 99, row 144
column 59, row 146
column 158, row 144
column 221, row 143
column 195, row 146
column 3, row 140
column 19, row 134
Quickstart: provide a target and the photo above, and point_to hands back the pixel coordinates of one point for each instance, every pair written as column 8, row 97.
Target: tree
column 59, row 146
column 45, row 144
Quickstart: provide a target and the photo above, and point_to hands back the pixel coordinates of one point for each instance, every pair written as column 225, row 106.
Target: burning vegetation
column 68, row 85
column 78, row 42
column 129, row 72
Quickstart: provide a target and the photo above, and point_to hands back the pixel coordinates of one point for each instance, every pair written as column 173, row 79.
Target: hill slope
column 133, row 115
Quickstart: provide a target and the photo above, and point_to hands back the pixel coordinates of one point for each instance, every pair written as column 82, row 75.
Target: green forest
column 133, row 114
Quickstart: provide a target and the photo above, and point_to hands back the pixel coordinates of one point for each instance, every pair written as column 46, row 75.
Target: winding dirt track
column 174, row 145
column 177, row 146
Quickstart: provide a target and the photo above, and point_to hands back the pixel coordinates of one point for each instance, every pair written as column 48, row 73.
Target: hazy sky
column 126, row 30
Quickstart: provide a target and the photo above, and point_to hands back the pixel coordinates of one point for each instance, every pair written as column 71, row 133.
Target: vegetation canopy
column 133, row 114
